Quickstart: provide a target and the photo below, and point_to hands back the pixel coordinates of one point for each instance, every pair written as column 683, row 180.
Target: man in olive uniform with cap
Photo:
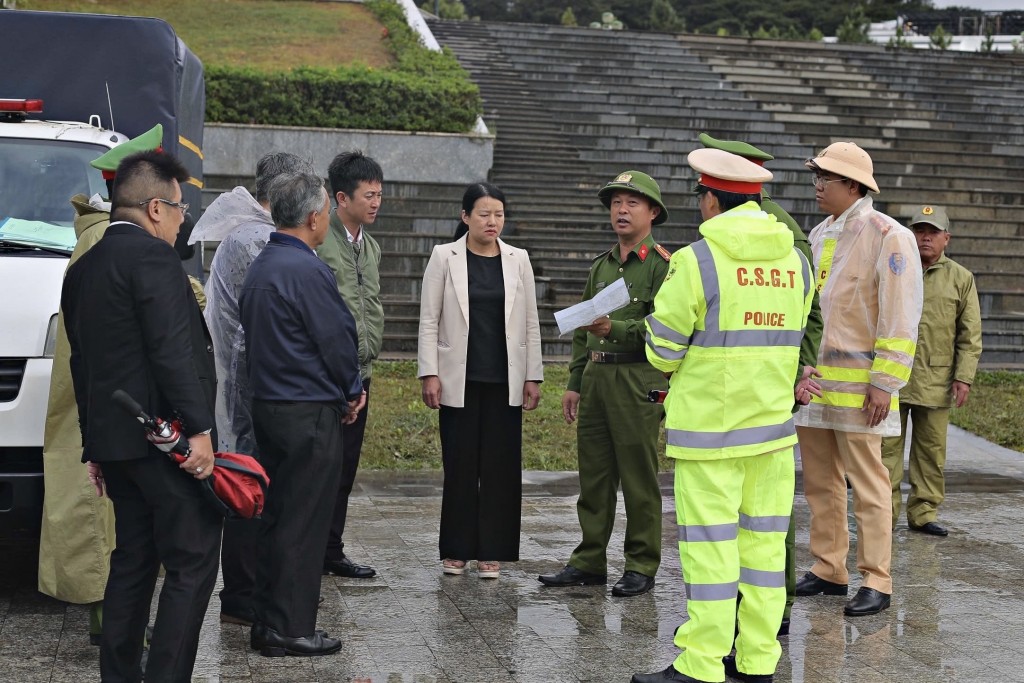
column 77, row 533
column 609, row 379
column 812, row 334
column 948, row 349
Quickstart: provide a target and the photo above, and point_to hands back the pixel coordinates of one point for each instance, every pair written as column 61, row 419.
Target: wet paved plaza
column 957, row 611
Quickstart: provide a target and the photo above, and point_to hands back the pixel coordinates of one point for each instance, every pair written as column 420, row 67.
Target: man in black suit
column 134, row 324
column 303, row 362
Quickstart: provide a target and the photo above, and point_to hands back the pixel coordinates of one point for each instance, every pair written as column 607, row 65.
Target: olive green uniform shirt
column 948, row 337
column 815, row 324
column 644, row 270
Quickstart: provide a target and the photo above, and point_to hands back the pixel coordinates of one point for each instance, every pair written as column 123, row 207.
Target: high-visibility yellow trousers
column 733, row 515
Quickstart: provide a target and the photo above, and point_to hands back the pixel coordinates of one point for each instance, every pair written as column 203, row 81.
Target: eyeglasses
column 820, row 181
column 180, row 205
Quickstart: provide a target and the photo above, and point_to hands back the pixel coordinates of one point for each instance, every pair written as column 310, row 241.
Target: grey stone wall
column 232, row 150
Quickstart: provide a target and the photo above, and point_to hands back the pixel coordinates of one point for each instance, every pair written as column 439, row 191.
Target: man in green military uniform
column 609, row 380
column 948, row 349
column 812, row 334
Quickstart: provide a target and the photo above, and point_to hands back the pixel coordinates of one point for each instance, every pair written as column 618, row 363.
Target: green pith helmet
column 151, row 139
column 736, row 147
column 640, row 183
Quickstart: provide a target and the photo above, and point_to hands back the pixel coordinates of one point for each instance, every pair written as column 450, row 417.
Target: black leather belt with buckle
column 607, row 357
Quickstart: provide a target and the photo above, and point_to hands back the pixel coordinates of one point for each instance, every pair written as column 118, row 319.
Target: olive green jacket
column 77, row 533
column 948, row 337
column 815, row 324
column 358, row 281
column 644, row 270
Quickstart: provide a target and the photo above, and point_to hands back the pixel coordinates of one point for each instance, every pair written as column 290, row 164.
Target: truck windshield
column 37, row 180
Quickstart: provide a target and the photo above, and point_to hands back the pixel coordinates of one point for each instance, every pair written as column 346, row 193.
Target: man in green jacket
column 812, row 334
column 948, row 349
column 354, row 256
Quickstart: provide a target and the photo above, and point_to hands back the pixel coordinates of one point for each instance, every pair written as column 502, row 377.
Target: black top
column 134, row 324
column 487, row 355
column 300, row 338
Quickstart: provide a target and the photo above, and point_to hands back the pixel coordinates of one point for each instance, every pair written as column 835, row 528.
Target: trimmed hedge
column 425, row 91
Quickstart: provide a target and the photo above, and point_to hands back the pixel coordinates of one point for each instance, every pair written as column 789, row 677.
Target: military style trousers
column 927, row 462
column 617, row 442
column 827, row 455
column 733, row 515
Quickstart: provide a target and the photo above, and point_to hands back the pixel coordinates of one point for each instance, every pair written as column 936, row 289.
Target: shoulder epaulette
column 602, row 254
column 663, row 252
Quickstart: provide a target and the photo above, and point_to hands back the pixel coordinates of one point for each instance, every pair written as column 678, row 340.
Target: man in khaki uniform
column 948, row 349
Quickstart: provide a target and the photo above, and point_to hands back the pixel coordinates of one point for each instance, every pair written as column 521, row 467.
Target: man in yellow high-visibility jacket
column 869, row 281
column 727, row 323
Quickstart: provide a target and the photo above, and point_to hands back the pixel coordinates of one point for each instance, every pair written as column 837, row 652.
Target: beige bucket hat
column 848, row 160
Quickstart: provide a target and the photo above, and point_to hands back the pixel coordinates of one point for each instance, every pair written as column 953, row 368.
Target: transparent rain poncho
column 868, row 272
column 242, row 226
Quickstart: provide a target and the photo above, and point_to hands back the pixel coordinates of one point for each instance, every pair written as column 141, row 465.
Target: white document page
column 611, row 298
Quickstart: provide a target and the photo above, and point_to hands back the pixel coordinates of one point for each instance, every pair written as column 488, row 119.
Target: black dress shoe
column 669, row 674
column 811, row 584
column 930, row 528
column 258, row 635
column 570, row 576
column 632, row 584
column 276, row 645
column 866, row 601
column 783, row 628
column 349, row 569
column 732, row 672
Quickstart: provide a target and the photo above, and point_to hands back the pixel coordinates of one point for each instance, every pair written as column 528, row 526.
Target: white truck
column 95, row 67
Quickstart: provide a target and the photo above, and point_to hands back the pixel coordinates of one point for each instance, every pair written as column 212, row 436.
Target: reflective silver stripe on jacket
column 738, row 437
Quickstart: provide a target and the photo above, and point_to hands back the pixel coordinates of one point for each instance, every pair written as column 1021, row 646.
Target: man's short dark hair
column 348, row 169
column 272, row 165
column 729, row 200
column 143, row 176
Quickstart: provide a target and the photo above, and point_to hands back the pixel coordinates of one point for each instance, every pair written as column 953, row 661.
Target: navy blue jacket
column 299, row 335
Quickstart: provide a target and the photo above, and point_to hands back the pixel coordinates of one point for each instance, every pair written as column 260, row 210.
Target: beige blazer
column 444, row 321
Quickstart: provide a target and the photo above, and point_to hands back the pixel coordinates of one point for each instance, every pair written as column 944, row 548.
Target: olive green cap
column 151, row 139
column 742, row 149
column 932, row 215
column 640, row 183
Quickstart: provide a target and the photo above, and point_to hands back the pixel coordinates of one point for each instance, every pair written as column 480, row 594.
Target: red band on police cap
column 108, row 175
column 736, row 186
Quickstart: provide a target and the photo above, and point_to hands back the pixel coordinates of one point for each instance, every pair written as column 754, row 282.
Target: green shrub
column 424, row 91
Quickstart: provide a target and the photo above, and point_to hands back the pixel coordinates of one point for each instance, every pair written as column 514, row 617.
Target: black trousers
column 300, row 447
column 481, row 448
column 352, row 447
column 160, row 518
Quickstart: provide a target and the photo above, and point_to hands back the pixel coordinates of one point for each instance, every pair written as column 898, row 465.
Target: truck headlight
column 51, row 337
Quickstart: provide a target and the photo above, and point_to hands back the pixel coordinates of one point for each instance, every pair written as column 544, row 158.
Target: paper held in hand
column 611, row 298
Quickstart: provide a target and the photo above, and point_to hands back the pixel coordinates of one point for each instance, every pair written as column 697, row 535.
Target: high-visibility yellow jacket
column 870, row 285
column 728, row 322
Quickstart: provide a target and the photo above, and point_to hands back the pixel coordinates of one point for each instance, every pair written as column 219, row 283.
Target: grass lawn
column 402, row 432
column 267, row 35
column 993, row 409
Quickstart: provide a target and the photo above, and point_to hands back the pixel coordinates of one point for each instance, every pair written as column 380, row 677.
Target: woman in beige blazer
column 480, row 365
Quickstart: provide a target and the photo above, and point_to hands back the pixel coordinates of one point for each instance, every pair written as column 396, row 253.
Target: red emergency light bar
column 23, row 106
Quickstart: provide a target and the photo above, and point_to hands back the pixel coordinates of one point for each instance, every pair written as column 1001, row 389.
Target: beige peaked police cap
column 848, row 160
column 721, row 170
column 932, row 215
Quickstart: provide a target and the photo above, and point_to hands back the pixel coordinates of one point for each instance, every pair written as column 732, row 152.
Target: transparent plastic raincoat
column 242, row 226
column 868, row 274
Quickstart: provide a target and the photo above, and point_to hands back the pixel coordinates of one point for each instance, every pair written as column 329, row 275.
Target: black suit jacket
column 134, row 324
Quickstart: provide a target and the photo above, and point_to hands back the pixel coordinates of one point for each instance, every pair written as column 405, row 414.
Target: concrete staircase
column 573, row 107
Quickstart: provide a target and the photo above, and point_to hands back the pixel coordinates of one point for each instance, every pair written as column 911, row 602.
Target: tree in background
column 939, row 39
column 988, row 45
column 664, row 18
column 899, row 41
column 568, row 18
column 446, row 9
column 854, row 28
